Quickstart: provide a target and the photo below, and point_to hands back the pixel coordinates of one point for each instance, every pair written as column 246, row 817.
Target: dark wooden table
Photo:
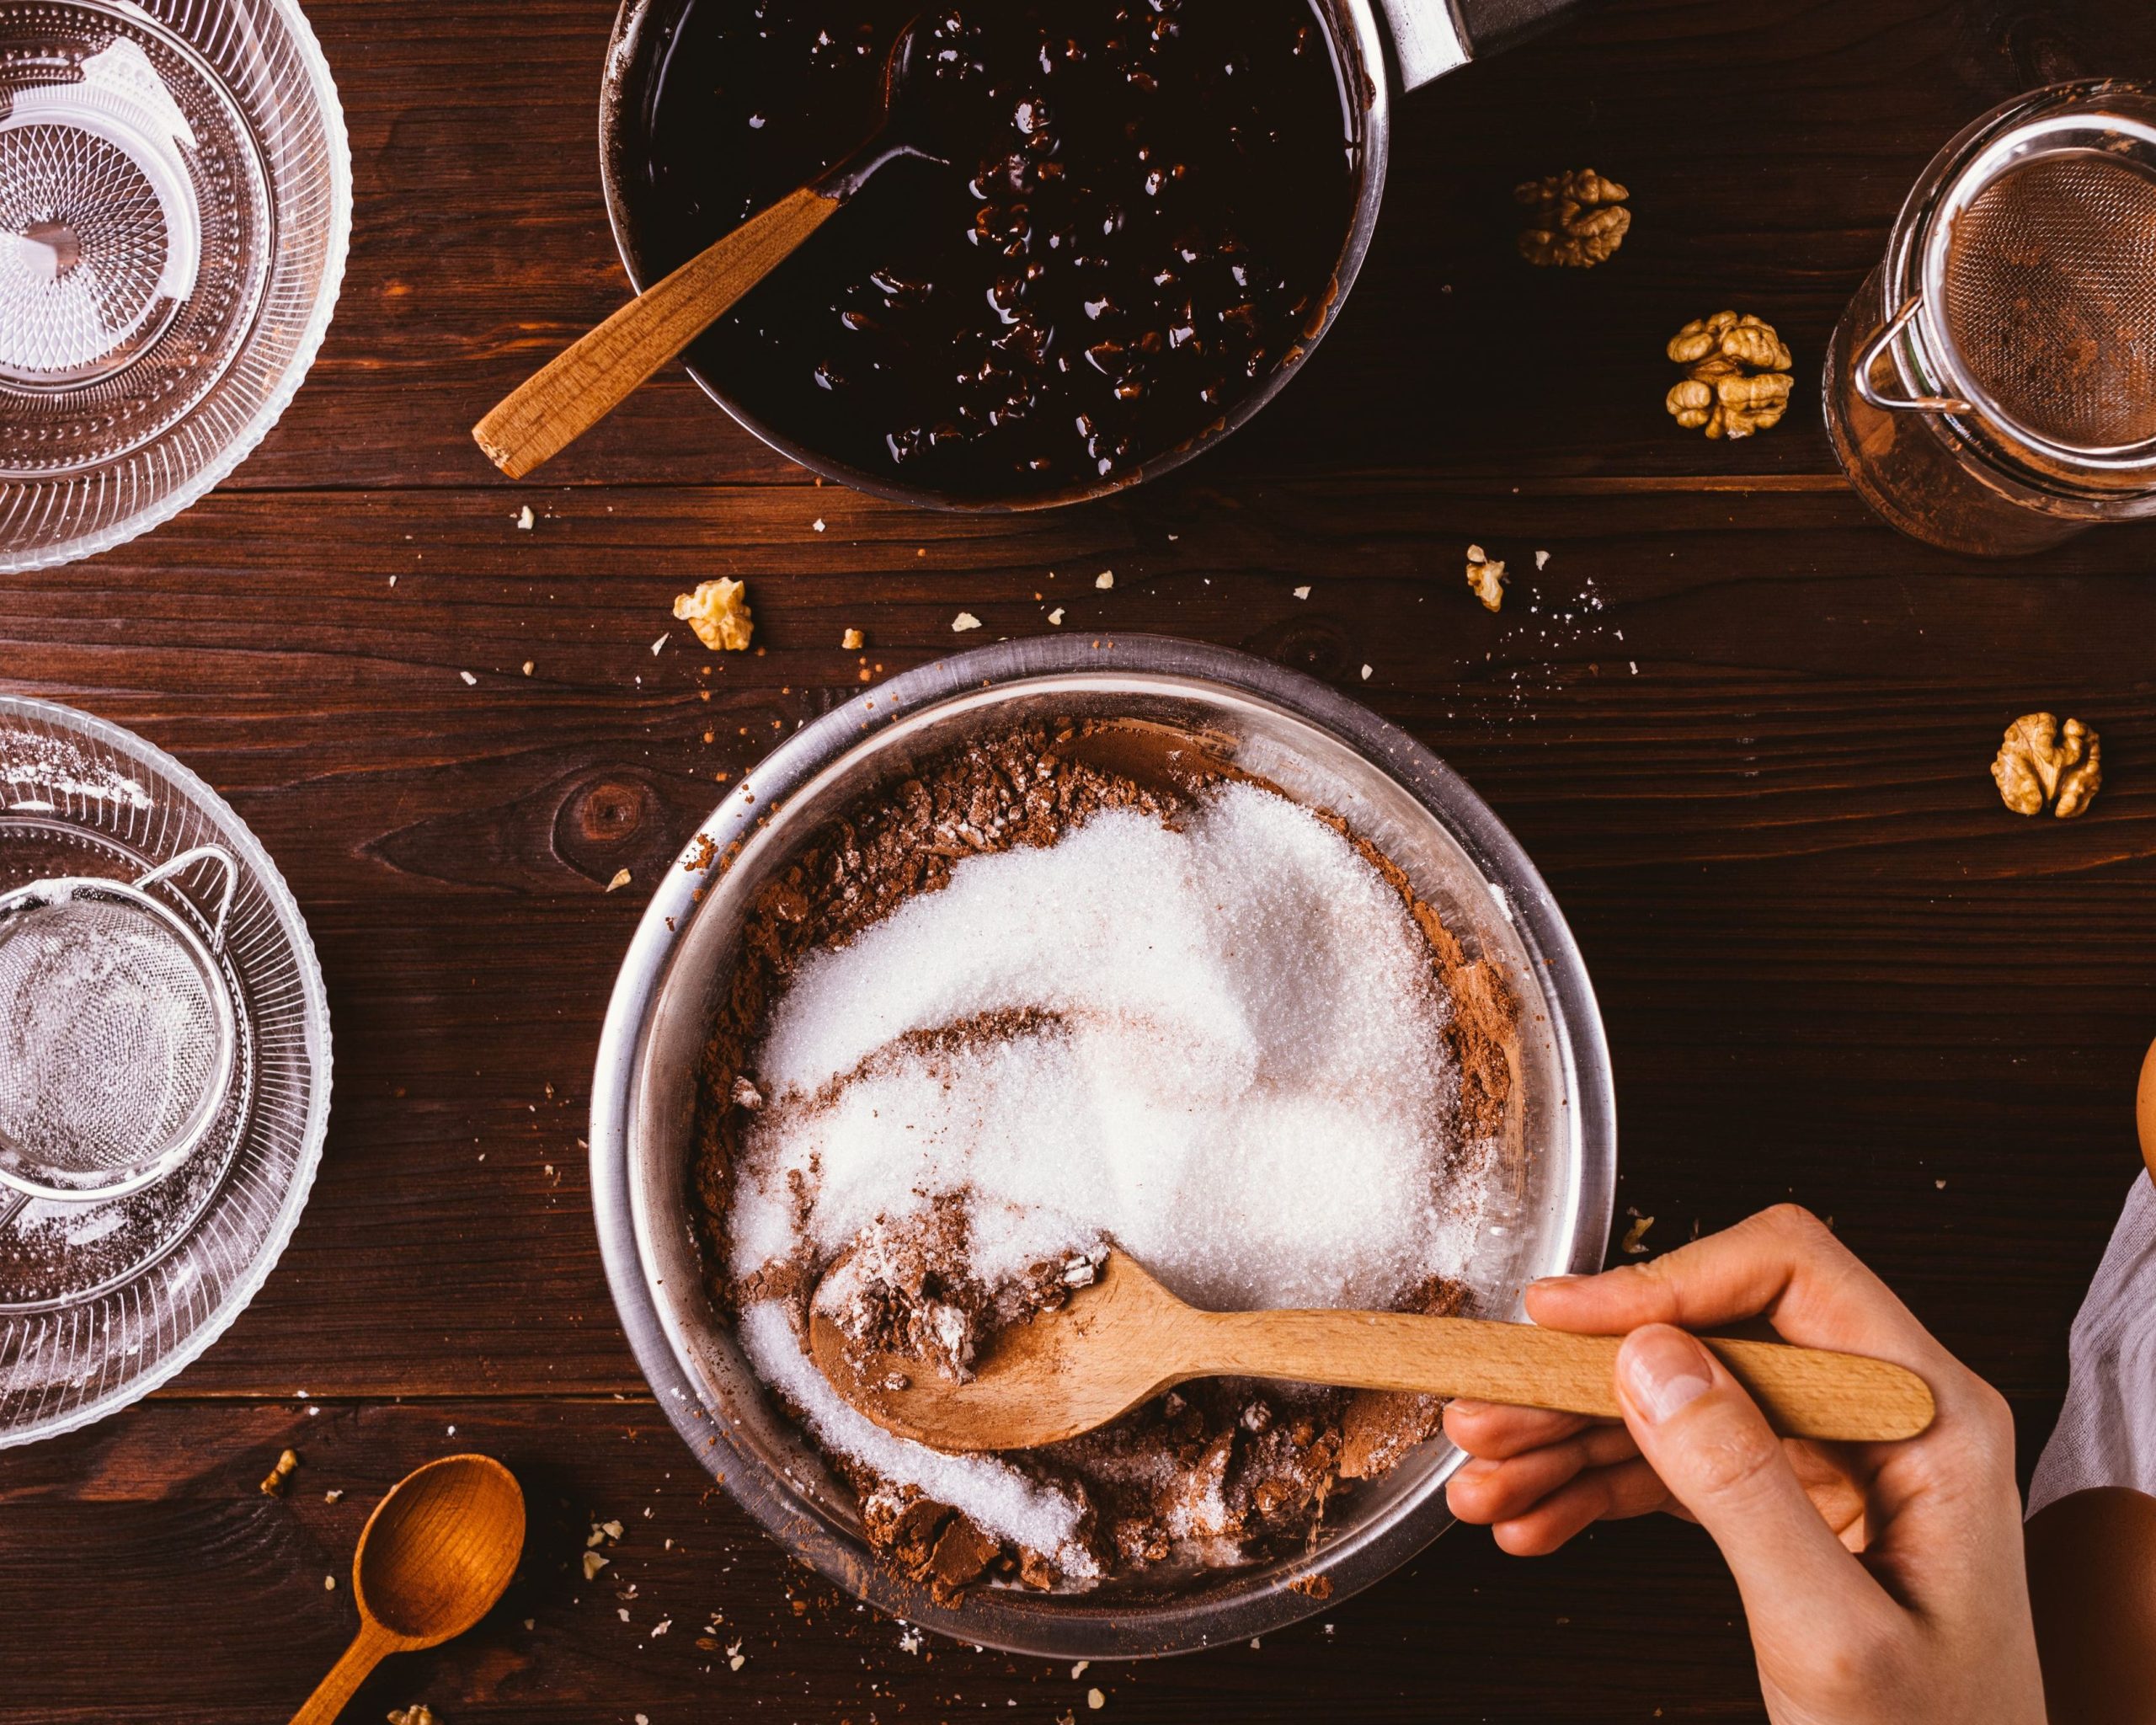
column 1744, row 730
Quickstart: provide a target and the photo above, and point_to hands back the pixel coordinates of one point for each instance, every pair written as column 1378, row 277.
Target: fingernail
column 1556, row 1281
column 1666, row 1371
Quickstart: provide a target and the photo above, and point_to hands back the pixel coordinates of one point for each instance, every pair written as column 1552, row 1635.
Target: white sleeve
column 2107, row 1434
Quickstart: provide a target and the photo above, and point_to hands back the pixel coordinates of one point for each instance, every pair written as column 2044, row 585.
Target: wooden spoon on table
column 1127, row 1339
column 554, row 407
column 436, row 1554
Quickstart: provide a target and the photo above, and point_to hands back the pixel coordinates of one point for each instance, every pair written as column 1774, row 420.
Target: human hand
column 1883, row 1583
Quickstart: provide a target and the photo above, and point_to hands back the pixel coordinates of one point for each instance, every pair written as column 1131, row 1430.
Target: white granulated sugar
column 1234, row 1067
column 997, row 1495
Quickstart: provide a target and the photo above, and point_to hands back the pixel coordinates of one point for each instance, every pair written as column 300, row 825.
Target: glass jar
column 1991, row 388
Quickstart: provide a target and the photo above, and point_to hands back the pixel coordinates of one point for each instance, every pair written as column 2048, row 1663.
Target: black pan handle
column 1491, row 26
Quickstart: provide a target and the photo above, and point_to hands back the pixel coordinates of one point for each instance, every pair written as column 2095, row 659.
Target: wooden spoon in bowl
column 557, row 405
column 436, row 1554
column 1126, row 1339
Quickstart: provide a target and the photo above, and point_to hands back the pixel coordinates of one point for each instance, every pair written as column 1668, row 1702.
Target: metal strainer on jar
column 117, row 1032
column 1993, row 387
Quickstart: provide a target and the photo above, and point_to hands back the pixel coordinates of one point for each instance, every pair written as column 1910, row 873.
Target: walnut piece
column 1737, row 378
column 279, row 1476
column 420, row 1713
column 1486, row 580
column 718, row 612
column 1575, row 219
column 2041, row 766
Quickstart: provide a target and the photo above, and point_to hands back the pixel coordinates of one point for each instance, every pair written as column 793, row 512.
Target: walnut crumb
column 2041, row 766
column 853, row 640
column 1635, row 1236
column 1737, row 378
column 718, row 612
column 418, row 1714
column 1574, row 221
column 1486, row 580
column 280, row 1474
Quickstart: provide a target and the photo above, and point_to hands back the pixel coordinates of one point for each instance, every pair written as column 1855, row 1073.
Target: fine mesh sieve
column 2048, row 293
column 117, row 1032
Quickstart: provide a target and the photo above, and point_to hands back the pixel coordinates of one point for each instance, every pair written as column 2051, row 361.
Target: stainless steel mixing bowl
column 1549, row 1212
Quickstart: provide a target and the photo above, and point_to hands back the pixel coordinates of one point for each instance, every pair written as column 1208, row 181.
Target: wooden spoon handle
column 368, row 1649
column 557, row 405
column 1805, row 1393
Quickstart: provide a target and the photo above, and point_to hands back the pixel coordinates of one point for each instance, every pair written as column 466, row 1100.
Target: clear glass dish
column 175, row 206
column 102, row 1301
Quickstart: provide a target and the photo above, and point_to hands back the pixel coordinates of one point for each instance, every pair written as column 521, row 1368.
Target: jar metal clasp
column 1876, row 349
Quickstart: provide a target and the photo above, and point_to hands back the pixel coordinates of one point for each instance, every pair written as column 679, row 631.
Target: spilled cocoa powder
column 1222, row 1471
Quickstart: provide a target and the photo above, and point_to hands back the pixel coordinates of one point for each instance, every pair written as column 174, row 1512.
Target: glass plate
column 175, row 204
column 102, row 1302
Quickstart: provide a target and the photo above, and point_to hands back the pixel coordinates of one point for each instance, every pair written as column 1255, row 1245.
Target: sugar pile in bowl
column 1219, row 1044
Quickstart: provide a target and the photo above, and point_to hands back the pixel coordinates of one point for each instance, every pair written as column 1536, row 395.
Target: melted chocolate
column 1144, row 207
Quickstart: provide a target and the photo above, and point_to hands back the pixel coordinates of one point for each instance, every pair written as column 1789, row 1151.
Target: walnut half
column 2041, row 766
column 1575, row 219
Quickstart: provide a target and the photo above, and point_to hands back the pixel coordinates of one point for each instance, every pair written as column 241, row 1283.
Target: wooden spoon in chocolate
column 558, row 405
column 1127, row 1339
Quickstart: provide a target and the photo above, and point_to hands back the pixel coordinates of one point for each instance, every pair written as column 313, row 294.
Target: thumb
column 1706, row 1437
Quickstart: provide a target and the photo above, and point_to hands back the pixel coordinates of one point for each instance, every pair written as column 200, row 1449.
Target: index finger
column 1783, row 1263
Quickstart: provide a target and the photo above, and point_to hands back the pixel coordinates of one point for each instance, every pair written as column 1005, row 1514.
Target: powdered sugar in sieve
column 117, row 1034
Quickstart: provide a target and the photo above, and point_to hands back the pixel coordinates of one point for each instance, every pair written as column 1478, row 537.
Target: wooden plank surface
column 1742, row 729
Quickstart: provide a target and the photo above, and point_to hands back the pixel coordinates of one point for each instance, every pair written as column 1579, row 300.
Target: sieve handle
column 186, row 860
column 1900, row 404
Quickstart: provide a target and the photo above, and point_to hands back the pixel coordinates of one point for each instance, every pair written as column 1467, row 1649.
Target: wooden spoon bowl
column 434, row 1558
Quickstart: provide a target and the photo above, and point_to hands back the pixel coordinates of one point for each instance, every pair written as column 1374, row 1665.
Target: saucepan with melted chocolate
column 1132, row 223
